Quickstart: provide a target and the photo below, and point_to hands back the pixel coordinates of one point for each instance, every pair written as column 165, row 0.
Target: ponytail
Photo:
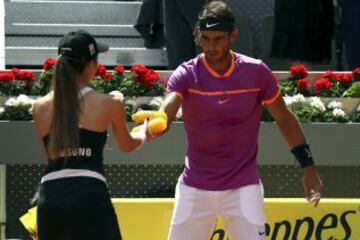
column 64, row 127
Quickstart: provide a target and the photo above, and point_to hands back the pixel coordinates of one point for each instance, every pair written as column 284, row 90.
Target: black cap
column 80, row 45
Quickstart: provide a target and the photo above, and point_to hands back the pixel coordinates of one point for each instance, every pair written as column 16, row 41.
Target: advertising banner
column 286, row 219
column 149, row 219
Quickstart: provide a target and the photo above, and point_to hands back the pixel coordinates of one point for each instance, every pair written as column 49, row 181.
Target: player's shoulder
column 185, row 70
column 104, row 104
column 189, row 65
column 247, row 61
column 112, row 99
column 42, row 104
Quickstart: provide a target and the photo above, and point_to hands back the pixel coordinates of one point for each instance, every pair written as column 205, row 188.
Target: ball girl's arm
column 126, row 141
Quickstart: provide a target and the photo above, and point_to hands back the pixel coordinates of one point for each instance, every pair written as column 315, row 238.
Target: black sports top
column 88, row 156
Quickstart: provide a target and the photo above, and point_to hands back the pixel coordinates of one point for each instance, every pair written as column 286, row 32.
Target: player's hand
column 152, row 136
column 312, row 184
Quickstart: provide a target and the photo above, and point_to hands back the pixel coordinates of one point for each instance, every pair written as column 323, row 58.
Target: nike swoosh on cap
column 211, row 25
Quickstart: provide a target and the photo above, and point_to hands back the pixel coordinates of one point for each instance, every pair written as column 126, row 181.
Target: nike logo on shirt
column 223, row 101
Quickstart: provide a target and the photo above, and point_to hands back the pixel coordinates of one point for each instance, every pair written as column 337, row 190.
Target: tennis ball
column 139, row 117
column 157, row 125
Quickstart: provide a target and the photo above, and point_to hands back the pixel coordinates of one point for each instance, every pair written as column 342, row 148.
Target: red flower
column 49, row 63
column 119, row 69
column 6, row 77
column 23, row 75
column 138, row 68
column 329, row 75
column 302, row 83
column 345, row 78
column 146, row 76
column 101, row 70
column 356, row 72
column 298, row 71
column 322, row 84
column 27, row 76
column 106, row 75
column 140, row 71
column 150, row 77
column 16, row 72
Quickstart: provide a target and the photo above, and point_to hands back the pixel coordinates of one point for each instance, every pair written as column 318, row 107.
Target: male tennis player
column 221, row 93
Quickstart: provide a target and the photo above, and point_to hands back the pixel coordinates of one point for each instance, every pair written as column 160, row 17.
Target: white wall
column 2, row 167
column 2, row 35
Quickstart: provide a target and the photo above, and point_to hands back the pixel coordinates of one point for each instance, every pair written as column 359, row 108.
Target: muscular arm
column 171, row 106
column 286, row 122
column 293, row 135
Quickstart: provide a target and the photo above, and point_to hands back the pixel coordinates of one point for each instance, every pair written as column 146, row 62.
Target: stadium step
column 33, row 29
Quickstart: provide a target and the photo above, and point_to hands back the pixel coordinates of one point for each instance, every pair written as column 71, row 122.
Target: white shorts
column 195, row 213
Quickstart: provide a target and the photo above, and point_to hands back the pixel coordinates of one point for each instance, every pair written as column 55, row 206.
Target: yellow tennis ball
column 160, row 114
column 157, row 125
column 139, row 116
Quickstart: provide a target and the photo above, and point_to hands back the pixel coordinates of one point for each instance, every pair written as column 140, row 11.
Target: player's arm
column 171, row 106
column 287, row 123
column 294, row 136
column 126, row 141
column 37, row 113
